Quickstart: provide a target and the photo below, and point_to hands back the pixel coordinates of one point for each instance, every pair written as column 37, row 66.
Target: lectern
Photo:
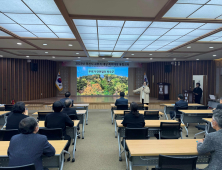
column 188, row 96
column 164, row 91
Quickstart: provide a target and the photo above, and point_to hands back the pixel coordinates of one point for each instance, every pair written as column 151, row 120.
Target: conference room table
column 56, row 161
column 146, row 152
column 3, row 117
column 71, row 131
column 80, row 107
column 113, row 107
column 194, row 116
column 208, row 128
column 170, row 107
column 81, row 116
column 153, row 128
column 118, row 114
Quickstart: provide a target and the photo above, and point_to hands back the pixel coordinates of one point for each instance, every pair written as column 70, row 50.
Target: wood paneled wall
column 181, row 77
column 19, row 82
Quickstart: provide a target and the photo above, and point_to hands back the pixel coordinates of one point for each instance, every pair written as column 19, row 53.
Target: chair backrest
column 24, row 167
column 151, row 115
column 202, row 107
column 126, row 112
column 6, row 135
column 2, row 108
column 52, row 133
column 177, row 163
column 122, row 107
column 140, row 107
column 72, row 117
column 42, row 115
column 8, row 107
column 170, row 130
column 136, row 133
column 180, row 108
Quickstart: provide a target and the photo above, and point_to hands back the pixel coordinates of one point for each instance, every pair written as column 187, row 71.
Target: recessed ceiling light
column 77, row 53
column 127, row 58
column 189, row 47
column 27, row 56
column 79, row 57
column 211, row 47
column 1, row 55
column 132, row 54
column 103, row 58
column 151, row 58
column 19, row 43
column 70, row 45
column 197, row 59
column 214, row 55
column 174, row 59
column 53, row 56
column 151, row 54
column 46, row 52
column 44, row 44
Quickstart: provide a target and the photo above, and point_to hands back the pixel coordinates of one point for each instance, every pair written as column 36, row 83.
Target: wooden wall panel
column 19, row 82
column 181, row 76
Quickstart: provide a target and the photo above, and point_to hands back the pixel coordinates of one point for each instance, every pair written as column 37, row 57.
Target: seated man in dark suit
column 16, row 115
column 121, row 100
column 57, row 119
column 68, row 110
column 178, row 104
column 28, row 147
column 67, row 96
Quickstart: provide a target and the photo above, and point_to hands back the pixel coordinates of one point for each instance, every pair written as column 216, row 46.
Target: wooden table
column 208, row 128
column 81, row 116
column 3, row 118
column 153, row 125
column 56, row 161
column 194, row 116
column 170, row 107
column 80, row 107
column 146, row 152
column 118, row 114
column 113, row 107
column 71, row 131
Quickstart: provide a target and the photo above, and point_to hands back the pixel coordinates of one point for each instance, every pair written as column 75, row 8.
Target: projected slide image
column 102, row 80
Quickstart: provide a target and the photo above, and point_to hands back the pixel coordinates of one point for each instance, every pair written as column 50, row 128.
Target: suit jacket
column 212, row 144
column 132, row 121
column 58, row 120
column 63, row 101
column 14, row 119
column 146, row 93
column 180, row 103
column 121, row 101
column 70, row 111
column 28, row 148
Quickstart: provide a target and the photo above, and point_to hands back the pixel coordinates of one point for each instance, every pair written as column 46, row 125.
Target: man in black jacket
column 28, row 147
column 179, row 104
column 67, row 96
column 68, row 110
column 121, row 100
column 57, row 119
column 198, row 93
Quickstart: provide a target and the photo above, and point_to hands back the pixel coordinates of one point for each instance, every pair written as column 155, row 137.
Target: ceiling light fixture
column 46, row 52
column 79, row 57
column 127, row 58
column 151, row 54
column 189, row 47
column 70, row 45
column 211, row 47
column 27, row 56
column 132, row 54
column 103, row 58
column 214, row 55
column 44, row 44
column 53, row 56
column 1, row 55
column 77, row 53
column 151, row 58
column 174, row 59
column 19, row 43
column 197, row 59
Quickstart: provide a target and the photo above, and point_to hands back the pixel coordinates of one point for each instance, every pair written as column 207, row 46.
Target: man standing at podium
column 198, row 93
column 144, row 93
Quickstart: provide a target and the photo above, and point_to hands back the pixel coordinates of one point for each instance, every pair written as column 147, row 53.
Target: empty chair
column 170, row 130
column 202, row 107
column 6, row 135
column 122, row 107
column 151, row 115
column 173, row 163
column 8, row 107
column 25, row 167
column 42, row 115
column 126, row 112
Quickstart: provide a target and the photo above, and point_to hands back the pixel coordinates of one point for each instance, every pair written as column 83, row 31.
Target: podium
column 188, row 96
column 164, row 89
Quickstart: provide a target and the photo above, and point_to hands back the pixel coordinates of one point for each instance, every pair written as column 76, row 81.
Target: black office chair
column 170, row 130
column 126, row 112
column 8, row 107
column 178, row 114
column 53, row 134
column 42, row 115
column 24, row 167
column 6, row 135
column 202, row 107
column 151, row 115
column 140, row 107
column 170, row 162
column 122, row 107
column 2, row 108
